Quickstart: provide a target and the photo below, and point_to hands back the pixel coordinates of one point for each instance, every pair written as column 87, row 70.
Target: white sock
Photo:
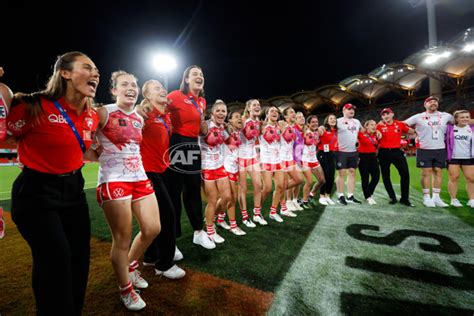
column 426, row 193
column 436, row 193
column 340, row 194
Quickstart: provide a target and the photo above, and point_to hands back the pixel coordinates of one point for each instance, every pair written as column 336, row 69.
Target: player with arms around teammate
column 124, row 189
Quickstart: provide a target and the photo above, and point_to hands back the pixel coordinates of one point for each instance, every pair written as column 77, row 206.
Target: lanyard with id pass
column 434, row 131
column 327, row 146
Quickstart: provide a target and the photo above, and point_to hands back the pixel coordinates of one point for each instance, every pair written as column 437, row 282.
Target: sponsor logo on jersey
column 56, row 118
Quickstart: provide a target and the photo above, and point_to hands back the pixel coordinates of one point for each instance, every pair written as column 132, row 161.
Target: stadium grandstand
column 400, row 85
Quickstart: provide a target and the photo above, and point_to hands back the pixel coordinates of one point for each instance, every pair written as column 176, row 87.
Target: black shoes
column 407, row 203
column 393, row 201
column 352, row 199
column 342, row 200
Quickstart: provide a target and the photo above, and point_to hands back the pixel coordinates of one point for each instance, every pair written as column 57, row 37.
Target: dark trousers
column 326, row 159
column 397, row 158
column 369, row 173
column 161, row 250
column 52, row 215
column 185, row 180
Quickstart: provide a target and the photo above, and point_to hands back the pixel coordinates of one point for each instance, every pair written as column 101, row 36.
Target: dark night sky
column 246, row 49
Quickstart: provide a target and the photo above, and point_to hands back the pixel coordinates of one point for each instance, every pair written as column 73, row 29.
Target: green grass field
column 362, row 260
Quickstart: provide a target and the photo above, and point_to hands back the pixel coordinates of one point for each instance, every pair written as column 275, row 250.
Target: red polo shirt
column 185, row 117
column 367, row 143
column 47, row 144
column 156, row 140
column 391, row 134
column 328, row 137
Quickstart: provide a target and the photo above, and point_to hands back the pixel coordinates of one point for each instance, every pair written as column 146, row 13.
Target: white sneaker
column 440, row 203
column 133, row 301
column 288, row 213
column 276, row 217
column 174, row 272
column 456, row 203
column 249, row 223
column 259, row 219
column 137, row 279
column 223, row 225
column 178, row 255
column 296, row 205
column 371, row 201
column 470, row 203
column 237, row 231
column 428, row 202
column 217, row 238
column 203, row 239
column 330, row 201
column 323, row 201
column 290, row 206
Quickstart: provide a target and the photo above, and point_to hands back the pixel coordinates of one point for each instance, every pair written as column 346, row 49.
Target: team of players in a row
column 135, row 148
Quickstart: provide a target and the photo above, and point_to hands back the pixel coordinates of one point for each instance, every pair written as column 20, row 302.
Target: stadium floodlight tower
column 164, row 64
column 435, row 85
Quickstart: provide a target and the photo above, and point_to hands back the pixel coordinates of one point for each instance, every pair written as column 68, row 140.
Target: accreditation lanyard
column 71, row 125
column 164, row 124
column 434, row 131
column 327, row 147
column 371, row 140
column 195, row 105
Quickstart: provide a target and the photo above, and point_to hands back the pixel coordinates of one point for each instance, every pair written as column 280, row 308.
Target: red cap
column 348, row 106
column 386, row 110
column 431, row 97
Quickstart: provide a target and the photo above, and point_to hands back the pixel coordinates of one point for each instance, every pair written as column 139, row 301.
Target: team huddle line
column 140, row 150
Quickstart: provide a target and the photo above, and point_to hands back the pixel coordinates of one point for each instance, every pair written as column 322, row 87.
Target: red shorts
column 247, row 162
column 271, row 166
column 115, row 191
column 234, row 177
column 310, row 165
column 213, row 175
column 288, row 165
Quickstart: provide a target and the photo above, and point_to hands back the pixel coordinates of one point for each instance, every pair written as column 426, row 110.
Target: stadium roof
column 449, row 63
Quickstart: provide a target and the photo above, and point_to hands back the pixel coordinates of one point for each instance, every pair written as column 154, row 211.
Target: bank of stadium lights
column 433, row 58
column 468, row 48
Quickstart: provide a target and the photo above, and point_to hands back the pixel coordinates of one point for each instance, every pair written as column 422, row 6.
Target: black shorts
column 345, row 160
column 431, row 158
column 461, row 162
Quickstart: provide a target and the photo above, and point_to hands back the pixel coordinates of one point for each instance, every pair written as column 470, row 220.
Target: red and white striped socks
column 233, row 224
column 256, row 211
column 283, row 207
column 273, row 210
column 245, row 215
column 124, row 290
column 210, row 230
column 221, row 217
column 133, row 266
